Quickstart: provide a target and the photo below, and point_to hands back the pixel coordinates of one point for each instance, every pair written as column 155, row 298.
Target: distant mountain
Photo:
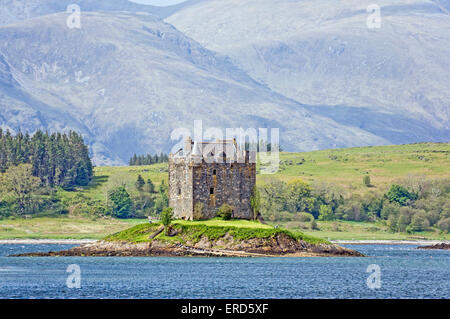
column 18, row 10
column 127, row 80
column 392, row 81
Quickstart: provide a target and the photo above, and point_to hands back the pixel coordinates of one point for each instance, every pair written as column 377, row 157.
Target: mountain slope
column 127, row 80
column 322, row 53
column 12, row 11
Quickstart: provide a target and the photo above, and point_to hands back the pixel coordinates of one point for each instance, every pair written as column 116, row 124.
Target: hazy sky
column 158, row 2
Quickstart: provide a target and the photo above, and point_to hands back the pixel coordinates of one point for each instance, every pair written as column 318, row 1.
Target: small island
column 209, row 238
column 445, row 246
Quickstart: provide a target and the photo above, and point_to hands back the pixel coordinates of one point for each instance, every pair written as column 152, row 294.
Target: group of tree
column 33, row 166
column 57, row 159
column 137, row 160
column 123, row 203
column 414, row 204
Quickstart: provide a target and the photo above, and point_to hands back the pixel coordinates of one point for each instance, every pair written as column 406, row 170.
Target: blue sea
column 404, row 272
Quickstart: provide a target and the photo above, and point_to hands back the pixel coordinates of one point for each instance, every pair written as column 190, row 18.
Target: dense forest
column 414, row 204
column 33, row 167
column 148, row 159
column 56, row 159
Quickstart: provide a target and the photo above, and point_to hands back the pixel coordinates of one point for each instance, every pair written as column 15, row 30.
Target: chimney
column 188, row 145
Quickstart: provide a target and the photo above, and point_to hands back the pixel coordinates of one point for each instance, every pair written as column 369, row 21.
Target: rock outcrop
column 445, row 246
column 275, row 246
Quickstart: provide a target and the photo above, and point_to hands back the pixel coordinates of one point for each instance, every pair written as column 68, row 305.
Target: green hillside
column 344, row 167
column 331, row 182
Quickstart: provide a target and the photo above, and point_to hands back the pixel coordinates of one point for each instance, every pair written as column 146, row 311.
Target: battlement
column 205, row 175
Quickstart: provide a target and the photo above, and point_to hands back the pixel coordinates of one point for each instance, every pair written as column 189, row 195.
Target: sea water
column 404, row 272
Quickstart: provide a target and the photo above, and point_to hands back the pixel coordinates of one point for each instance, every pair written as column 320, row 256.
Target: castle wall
column 180, row 189
column 232, row 184
column 198, row 189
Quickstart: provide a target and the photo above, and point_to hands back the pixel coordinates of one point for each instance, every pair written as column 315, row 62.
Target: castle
column 205, row 175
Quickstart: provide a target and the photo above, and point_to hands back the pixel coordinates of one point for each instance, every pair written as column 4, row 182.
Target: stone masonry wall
column 180, row 189
column 211, row 185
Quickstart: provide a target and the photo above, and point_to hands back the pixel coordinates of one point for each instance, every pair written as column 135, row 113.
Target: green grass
column 384, row 164
column 62, row 228
column 107, row 178
column 214, row 229
column 350, row 230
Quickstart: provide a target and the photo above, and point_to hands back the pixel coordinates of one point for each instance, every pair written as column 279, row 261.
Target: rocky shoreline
column 445, row 246
column 276, row 246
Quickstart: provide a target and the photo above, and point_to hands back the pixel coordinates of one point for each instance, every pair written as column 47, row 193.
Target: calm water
column 405, row 273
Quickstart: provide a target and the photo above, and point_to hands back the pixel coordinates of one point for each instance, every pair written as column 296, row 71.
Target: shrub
column 198, row 211
column 400, row 195
column 166, row 218
column 284, row 216
column 303, row 217
column 225, row 212
column 314, row 225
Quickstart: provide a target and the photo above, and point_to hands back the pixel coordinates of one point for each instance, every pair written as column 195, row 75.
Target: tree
column 150, row 186
column 121, row 203
column 19, row 180
column 298, row 197
column 325, row 213
column 400, row 195
column 255, row 202
column 444, row 224
column 140, row 183
column 161, row 202
column 163, row 187
column 166, row 218
column 366, row 180
column 419, row 222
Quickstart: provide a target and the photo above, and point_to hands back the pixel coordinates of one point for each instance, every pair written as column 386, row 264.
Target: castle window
column 214, row 172
column 179, row 190
column 211, row 191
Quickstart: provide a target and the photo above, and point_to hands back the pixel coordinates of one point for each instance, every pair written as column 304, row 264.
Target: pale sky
column 160, row 3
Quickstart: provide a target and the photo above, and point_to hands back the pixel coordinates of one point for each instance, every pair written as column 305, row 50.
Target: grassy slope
column 384, row 164
column 350, row 230
column 212, row 229
column 62, row 228
column 344, row 167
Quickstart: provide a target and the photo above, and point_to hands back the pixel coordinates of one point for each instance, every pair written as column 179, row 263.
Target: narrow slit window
column 214, row 172
column 211, row 191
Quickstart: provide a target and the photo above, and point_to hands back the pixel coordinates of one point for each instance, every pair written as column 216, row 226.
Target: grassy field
column 344, row 167
column 349, row 230
column 211, row 229
column 384, row 164
column 63, row 228
column 85, row 228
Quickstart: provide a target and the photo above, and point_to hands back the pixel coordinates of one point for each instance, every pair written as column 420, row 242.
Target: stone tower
column 205, row 175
